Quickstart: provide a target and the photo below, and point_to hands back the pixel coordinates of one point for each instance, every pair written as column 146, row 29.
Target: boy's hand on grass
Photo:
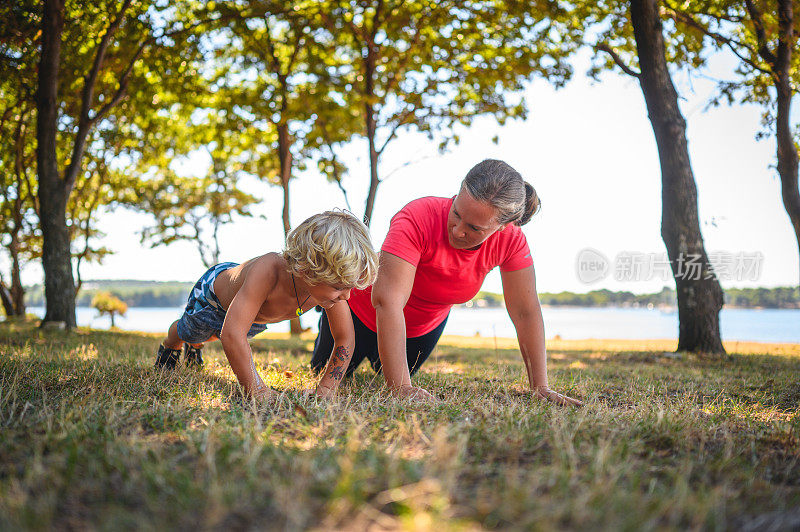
column 318, row 393
column 414, row 393
column 545, row 393
column 265, row 393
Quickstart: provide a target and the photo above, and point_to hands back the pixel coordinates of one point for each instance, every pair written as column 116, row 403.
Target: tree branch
column 85, row 123
column 273, row 56
column 354, row 30
column 398, row 124
column 26, row 175
column 337, row 177
column 295, row 51
column 87, row 99
column 201, row 246
column 404, row 165
column 377, row 21
column 786, row 39
column 761, row 34
column 617, row 59
column 123, row 86
column 731, row 43
column 86, row 229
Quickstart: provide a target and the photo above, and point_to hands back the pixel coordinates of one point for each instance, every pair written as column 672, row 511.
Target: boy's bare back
column 266, row 277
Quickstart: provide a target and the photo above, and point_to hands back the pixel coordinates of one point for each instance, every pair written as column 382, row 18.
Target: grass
column 91, row 436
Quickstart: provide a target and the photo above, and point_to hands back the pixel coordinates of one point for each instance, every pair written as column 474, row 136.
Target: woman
column 437, row 254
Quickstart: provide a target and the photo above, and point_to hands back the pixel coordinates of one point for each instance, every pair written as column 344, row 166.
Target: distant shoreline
column 150, row 294
column 564, row 322
column 665, row 308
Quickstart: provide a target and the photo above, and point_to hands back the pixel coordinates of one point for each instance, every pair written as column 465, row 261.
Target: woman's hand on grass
column 546, row 394
column 414, row 393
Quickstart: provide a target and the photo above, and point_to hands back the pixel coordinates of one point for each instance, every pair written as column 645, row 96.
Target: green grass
column 91, row 436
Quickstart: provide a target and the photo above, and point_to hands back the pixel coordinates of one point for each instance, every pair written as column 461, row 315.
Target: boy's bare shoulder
column 266, row 269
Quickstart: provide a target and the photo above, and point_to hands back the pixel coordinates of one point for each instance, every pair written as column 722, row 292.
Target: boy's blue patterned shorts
column 204, row 315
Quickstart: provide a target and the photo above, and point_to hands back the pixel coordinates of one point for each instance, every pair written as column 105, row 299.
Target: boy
column 325, row 257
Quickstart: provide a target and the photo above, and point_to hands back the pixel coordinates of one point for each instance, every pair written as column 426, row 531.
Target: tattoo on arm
column 336, row 368
column 341, row 353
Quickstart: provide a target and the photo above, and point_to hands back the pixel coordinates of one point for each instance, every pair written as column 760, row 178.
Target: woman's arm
column 390, row 294
column 341, row 324
column 522, row 303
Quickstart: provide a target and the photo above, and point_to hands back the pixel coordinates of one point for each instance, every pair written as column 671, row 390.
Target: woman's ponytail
column 532, row 205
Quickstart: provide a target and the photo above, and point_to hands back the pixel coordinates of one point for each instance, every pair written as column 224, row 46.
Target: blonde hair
column 332, row 248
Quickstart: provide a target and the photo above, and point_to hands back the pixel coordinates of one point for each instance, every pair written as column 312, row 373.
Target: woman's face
column 470, row 222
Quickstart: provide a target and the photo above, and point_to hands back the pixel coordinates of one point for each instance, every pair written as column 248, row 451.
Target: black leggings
column 417, row 349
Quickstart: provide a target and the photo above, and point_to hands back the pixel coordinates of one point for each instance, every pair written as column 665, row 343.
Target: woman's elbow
column 525, row 315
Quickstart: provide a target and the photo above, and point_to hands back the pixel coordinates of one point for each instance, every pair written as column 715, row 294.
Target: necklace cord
column 299, row 311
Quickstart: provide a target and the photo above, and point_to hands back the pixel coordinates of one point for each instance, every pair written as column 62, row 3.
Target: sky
column 588, row 149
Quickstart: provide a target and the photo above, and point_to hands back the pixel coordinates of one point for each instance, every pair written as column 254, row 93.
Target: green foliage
column 134, row 293
column 608, row 298
column 173, row 294
column 432, row 66
column 94, row 438
column 278, row 83
column 605, row 27
column 439, row 64
column 253, row 109
column 487, row 299
column 751, row 31
column 106, row 303
column 193, row 209
column 19, row 234
column 169, row 117
column 144, row 47
column 781, row 297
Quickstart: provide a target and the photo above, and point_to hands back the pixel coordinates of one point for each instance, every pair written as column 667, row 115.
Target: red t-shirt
column 445, row 276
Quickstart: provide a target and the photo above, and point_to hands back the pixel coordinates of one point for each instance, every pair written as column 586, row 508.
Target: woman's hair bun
column 532, row 205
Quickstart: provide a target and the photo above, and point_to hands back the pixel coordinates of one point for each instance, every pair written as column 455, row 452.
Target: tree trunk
column 371, row 125
column 699, row 293
column 5, row 299
column 787, row 151
column 787, row 163
column 373, row 166
column 16, row 292
column 285, row 159
column 112, row 319
column 56, row 260
column 59, row 286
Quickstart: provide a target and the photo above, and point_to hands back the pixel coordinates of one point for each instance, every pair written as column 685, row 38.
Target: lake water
column 568, row 322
